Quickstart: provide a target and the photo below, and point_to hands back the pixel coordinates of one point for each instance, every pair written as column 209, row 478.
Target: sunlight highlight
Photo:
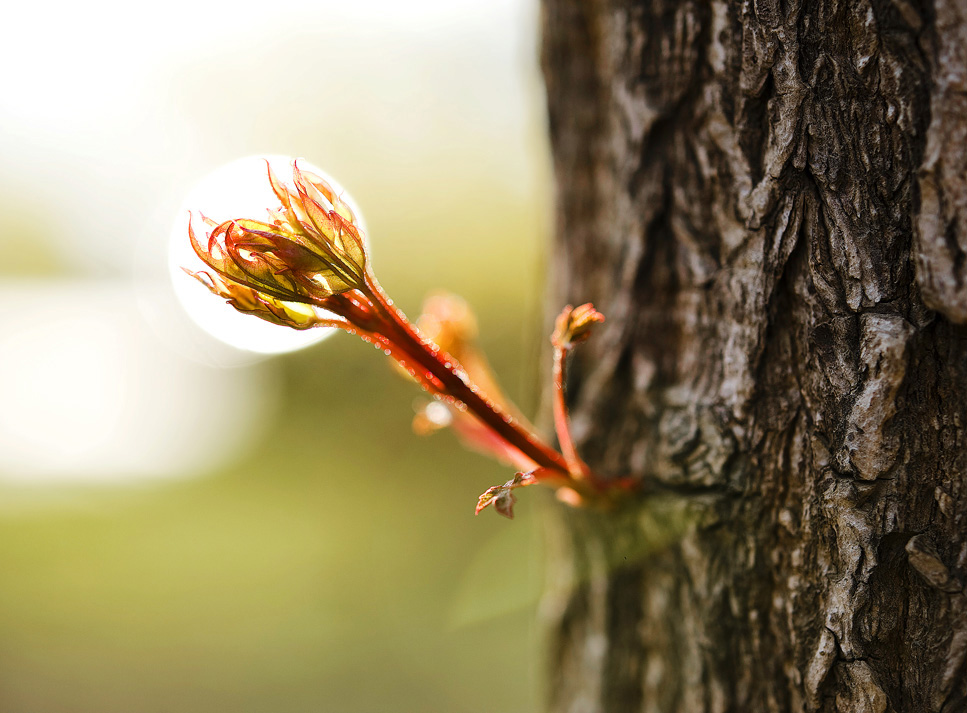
column 239, row 189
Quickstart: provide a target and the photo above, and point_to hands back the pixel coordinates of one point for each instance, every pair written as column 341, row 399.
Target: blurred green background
column 183, row 527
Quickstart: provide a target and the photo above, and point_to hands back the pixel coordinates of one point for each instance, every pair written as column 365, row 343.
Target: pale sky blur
column 110, row 112
column 107, row 111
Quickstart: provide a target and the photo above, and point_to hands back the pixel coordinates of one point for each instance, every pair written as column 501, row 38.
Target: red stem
column 459, row 386
column 575, row 465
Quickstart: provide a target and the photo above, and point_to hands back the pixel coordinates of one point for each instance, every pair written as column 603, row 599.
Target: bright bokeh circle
column 239, row 189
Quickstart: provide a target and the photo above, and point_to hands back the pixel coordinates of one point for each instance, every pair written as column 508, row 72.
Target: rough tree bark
column 768, row 200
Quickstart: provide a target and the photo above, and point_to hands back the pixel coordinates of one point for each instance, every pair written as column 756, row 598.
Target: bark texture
column 768, row 200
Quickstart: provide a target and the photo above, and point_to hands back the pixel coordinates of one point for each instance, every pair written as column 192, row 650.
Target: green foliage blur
column 335, row 566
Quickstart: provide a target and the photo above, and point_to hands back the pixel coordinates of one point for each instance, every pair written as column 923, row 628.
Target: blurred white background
column 428, row 111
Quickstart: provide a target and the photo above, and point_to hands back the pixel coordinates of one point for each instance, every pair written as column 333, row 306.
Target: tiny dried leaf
column 501, row 497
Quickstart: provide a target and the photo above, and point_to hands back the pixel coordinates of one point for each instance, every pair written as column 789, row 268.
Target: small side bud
column 449, row 322
column 574, row 325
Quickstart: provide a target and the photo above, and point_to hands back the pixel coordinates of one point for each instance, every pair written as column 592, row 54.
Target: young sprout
column 236, row 189
column 305, row 265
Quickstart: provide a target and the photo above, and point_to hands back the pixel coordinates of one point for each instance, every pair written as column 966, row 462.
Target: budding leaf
column 249, row 301
column 310, row 251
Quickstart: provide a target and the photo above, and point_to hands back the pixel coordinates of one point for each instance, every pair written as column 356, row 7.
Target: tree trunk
column 768, row 200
